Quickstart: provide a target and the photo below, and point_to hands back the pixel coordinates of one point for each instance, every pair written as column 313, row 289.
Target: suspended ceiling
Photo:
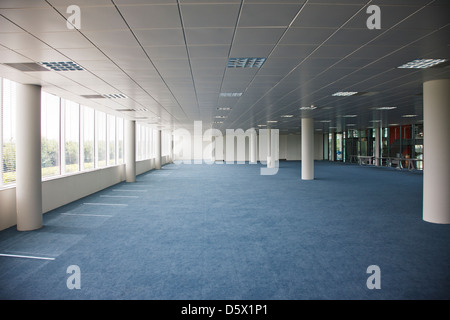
column 166, row 60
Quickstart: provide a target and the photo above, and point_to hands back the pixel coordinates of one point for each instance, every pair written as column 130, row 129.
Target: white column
column 436, row 174
column 325, row 146
column 252, row 146
column 270, row 162
column 171, row 147
column 158, row 150
column 130, row 150
column 377, row 146
column 333, row 147
column 28, row 158
column 307, row 149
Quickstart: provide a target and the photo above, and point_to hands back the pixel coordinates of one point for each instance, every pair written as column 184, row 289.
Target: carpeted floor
column 226, row 232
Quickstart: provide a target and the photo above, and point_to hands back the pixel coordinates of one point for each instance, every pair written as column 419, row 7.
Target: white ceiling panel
column 209, row 36
column 151, row 16
column 170, row 56
column 326, row 15
column 258, row 36
column 210, row 15
column 21, row 40
column 167, row 52
column 160, row 37
column 43, row 19
column 268, row 15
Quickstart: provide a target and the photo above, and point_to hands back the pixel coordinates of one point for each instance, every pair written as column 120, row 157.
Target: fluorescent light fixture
column 385, row 108
column 62, row 66
column 421, row 63
column 272, row 121
column 393, row 124
column 217, row 122
column 375, row 121
column 245, row 62
column 344, row 93
column 287, row 116
column 221, row 117
column 325, row 121
column 409, row 116
column 350, row 124
column 262, row 125
column 312, row 107
column 350, row 116
column 230, row 94
column 224, row 109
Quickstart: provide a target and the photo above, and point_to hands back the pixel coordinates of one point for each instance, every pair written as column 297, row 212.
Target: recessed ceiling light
column 287, row 115
column 421, row 63
column 409, row 116
column 231, row 94
column 245, row 62
column 312, row 107
column 344, row 93
column 62, row 66
column 224, row 109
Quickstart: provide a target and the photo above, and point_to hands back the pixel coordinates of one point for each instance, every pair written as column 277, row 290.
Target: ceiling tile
column 268, row 15
column 209, row 15
column 209, row 36
column 151, row 16
column 325, row 15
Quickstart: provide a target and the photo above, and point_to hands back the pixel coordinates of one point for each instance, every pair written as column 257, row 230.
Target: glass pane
column 101, row 138
column 8, row 131
column 112, row 140
column 88, row 137
column 72, row 136
column 339, row 146
column 50, row 135
column 120, row 140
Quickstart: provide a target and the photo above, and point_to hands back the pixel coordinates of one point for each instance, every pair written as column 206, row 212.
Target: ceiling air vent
column 27, row 67
column 62, row 66
column 92, row 96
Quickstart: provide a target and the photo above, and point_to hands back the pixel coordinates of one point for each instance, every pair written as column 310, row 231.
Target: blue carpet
column 226, row 232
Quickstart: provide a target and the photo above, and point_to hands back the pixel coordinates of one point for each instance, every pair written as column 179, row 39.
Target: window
column 119, row 140
column 101, row 138
column 8, row 131
column 50, row 135
column 111, row 139
column 72, row 136
column 88, row 138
